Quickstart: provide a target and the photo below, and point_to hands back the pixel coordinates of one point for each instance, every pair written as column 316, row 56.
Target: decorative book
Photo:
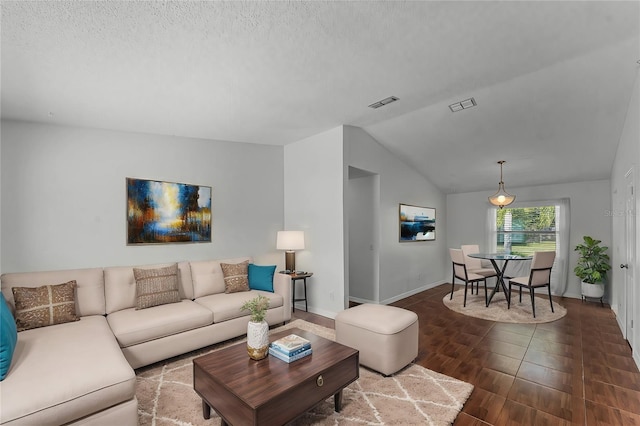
column 289, row 358
column 291, row 343
column 292, row 352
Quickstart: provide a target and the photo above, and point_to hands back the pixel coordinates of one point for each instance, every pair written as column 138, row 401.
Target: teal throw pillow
column 8, row 337
column 261, row 277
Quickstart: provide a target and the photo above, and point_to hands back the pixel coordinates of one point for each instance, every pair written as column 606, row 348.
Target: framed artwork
column 417, row 223
column 167, row 212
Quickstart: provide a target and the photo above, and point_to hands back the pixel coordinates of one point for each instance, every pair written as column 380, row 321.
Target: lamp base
column 290, row 260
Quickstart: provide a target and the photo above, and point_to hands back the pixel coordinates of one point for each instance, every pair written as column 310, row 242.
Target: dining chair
column 539, row 276
column 460, row 272
column 475, row 265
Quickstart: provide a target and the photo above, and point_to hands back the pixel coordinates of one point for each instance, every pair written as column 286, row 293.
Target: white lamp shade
column 290, row 240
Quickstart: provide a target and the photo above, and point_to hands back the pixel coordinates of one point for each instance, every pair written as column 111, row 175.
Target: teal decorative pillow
column 8, row 337
column 261, row 277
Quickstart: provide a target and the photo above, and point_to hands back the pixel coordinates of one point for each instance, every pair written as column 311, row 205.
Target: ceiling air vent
column 459, row 106
column 383, row 102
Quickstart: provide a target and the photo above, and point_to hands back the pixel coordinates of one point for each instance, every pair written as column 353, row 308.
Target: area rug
column 414, row 396
column 497, row 310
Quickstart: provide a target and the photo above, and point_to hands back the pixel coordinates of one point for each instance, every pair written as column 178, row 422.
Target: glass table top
column 499, row 256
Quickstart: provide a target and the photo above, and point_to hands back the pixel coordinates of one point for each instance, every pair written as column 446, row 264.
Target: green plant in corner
column 593, row 262
column 257, row 307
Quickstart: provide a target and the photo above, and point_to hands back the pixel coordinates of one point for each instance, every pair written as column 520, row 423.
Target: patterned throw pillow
column 235, row 276
column 46, row 305
column 156, row 286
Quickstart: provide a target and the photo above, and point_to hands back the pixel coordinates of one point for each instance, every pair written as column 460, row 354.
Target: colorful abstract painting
column 417, row 223
column 167, row 212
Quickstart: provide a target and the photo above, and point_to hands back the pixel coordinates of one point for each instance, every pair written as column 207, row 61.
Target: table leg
column 306, row 308
column 337, row 401
column 293, row 296
column 500, row 282
column 507, row 294
column 206, row 410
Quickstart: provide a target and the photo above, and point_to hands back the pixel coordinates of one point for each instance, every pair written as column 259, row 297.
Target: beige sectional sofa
column 83, row 372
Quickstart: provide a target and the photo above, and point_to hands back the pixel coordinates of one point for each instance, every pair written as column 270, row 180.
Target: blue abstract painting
column 166, row 212
column 417, row 223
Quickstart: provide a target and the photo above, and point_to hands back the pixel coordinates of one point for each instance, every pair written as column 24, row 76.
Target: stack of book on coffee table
column 290, row 348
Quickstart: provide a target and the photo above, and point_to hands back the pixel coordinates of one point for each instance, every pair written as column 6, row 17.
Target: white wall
column 627, row 156
column 63, row 196
column 589, row 203
column 405, row 268
column 0, row 197
column 314, row 180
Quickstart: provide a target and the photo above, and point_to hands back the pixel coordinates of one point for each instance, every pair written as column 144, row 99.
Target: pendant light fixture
column 501, row 198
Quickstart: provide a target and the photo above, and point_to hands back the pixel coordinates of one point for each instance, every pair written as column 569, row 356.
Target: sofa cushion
column 261, row 277
column 157, row 286
column 89, row 290
column 132, row 326
column 226, row 306
column 65, row 372
column 207, row 276
column 45, row 305
column 235, row 276
column 8, row 337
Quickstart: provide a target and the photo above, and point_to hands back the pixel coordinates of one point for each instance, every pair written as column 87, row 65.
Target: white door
column 630, row 232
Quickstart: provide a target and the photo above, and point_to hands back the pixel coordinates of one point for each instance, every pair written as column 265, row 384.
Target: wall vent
column 459, row 106
column 385, row 101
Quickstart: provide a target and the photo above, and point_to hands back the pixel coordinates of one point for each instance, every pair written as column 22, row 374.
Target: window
column 526, row 230
column 526, row 227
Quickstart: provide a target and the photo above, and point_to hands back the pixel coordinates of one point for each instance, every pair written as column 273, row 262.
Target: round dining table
column 505, row 258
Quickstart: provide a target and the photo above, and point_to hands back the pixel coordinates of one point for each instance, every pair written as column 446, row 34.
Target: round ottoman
column 386, row 336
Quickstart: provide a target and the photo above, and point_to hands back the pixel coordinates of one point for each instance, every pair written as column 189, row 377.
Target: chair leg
column 509, row 304
column 533, row 302
column 520, row 294
column 550, row 298
column 464, row 304
column 452, row 286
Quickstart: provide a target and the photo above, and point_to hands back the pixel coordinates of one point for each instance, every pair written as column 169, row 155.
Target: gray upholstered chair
column 539, row 276
column 460, row 272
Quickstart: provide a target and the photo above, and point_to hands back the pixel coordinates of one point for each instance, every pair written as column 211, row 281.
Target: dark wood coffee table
column 270, row 391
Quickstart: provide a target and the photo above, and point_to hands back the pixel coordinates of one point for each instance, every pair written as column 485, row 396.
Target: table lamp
column 290, row 241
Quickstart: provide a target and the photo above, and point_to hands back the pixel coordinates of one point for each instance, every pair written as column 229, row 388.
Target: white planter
column 257, row 340
column 595, row 291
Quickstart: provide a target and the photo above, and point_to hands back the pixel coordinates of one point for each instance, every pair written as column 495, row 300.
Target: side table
column 295, row 277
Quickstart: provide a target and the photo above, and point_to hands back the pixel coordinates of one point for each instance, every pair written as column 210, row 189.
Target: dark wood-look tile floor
column 574, row 371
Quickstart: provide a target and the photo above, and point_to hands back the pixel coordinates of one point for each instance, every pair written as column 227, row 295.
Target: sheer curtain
column 559, row 273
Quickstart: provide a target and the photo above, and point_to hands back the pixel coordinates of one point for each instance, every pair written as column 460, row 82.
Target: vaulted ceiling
column 551, row 80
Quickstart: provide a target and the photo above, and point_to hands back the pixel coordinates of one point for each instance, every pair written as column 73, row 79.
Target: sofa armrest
column 282, row 286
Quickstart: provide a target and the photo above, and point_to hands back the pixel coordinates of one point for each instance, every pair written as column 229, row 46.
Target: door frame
column 630, row 227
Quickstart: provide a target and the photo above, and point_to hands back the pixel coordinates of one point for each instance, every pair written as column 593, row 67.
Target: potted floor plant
column 592, row 267
column 257, row 329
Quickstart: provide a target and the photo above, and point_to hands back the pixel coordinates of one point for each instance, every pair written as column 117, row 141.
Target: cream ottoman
column 386, row 336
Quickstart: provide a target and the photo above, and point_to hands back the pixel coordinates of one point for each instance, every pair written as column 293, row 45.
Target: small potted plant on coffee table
column 592, row 267
column 257, row 329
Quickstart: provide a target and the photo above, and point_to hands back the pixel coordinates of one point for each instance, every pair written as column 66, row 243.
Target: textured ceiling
column 552, row 79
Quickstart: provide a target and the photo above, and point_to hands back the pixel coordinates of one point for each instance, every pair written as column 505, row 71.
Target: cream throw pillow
column 156, row 287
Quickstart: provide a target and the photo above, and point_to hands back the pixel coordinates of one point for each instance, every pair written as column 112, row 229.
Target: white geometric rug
column 414, row 396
